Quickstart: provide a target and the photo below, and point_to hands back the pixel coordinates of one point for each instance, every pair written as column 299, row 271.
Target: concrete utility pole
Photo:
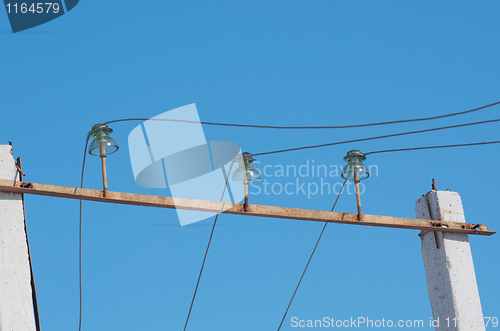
column 16, row 303
column 451, row 280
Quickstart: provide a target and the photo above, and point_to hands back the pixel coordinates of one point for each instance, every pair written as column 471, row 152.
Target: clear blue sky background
column 258, row 62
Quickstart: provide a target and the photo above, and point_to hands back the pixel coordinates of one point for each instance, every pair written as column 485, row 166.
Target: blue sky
column 260, row 62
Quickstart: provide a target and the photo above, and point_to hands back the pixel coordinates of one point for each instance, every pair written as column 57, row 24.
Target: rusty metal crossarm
column 239, row 209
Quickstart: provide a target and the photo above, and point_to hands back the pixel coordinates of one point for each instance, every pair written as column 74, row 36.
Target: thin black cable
column 310, row 258
column 307, row 127
column 379, row 137
column 206, row 251
column 201, row 272
column 432, row 147
column 80, row 236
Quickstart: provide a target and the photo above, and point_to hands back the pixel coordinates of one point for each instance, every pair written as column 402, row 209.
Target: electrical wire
column 433, row 147
column 80, row 236
column 308, row 127
column 206, row 251
column 378, row 137
column 310, row 258
column 201, row 272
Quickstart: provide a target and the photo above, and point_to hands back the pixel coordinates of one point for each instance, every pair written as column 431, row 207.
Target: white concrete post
column 451, row 280
column 16, row 303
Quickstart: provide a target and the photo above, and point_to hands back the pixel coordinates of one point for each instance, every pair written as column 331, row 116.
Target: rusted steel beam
column 239, row 209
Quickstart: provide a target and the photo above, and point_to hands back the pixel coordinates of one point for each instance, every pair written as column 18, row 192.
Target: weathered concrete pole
column 16, row 303
column 451, row 280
